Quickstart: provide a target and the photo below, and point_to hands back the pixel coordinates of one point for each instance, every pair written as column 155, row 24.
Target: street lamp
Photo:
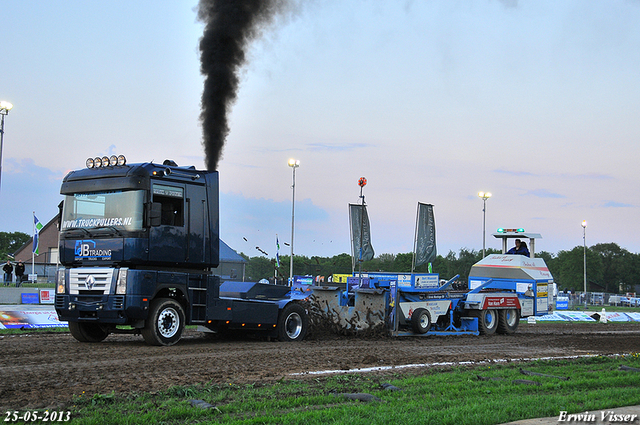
column 584, row 251
column 293, row 163
column 484, row 196
column 5, row 107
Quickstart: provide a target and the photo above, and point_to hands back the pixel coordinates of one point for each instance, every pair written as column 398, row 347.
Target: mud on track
column 47, row 370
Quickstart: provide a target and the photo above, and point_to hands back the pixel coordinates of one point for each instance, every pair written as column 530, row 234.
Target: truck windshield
column 118, row 210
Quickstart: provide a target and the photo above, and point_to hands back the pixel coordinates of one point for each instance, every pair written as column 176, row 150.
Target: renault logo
column 90, row 281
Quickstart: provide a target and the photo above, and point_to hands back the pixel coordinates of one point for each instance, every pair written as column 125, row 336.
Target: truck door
column 168, row 241
column 196, row 224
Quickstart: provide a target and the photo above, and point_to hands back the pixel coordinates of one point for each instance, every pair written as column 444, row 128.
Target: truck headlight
column 121, row 284
column 60, row 284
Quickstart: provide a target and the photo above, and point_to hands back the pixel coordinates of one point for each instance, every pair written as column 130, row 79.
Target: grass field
column 453, row 396
column 611, row 308
column 42, row 285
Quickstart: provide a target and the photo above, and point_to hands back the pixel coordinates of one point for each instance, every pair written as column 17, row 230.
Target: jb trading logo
column 83, row 248
column 87, row 249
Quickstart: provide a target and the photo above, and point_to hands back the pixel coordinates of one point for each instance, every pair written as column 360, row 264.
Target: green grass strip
column 453, row 396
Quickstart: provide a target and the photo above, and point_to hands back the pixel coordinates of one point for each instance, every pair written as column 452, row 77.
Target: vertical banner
column 360, row 233
column 425, row 244
column 37, row 226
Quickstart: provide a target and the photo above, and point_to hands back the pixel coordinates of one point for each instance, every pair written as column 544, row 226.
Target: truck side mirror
column 60, row 206
column 154, row 214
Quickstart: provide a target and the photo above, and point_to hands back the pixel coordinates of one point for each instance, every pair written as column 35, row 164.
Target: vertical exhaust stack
column 230, row 26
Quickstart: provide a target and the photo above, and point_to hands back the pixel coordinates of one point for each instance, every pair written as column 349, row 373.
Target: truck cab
column 137, row 247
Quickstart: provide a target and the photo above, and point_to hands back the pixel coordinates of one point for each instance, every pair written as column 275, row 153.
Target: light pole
column 362, row 182
column 5, row 107
column 484, row 196
column 584, row 251
column 293, row 163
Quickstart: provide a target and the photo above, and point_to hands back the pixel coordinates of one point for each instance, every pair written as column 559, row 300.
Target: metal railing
column 601, row 299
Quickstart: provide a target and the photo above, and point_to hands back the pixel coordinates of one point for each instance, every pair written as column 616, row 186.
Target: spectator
column 8, row 269
column 19, row 273
column 519, row 249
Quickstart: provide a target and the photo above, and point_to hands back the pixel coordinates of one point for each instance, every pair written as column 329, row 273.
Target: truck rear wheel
column 488, row 322
column 88, row 332
column 421, row 321
column 165, row 322
column 293, row 323
column 508, row 321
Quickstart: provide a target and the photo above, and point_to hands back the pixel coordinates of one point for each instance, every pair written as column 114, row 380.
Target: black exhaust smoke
column 230, row 25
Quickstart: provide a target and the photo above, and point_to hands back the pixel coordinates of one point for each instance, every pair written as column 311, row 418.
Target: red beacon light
column 362, row 182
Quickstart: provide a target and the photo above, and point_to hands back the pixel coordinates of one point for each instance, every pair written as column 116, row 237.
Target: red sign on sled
column 501, row 302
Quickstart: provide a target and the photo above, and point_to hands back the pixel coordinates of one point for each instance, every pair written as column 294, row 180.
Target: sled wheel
column 488, row 322
column 508, row 321
column 421, row 321
column 293, row 323
column 165, row 322
column 88, row 332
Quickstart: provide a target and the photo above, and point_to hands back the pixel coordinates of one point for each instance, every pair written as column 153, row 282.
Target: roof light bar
column 106, row 161
column 503, row 230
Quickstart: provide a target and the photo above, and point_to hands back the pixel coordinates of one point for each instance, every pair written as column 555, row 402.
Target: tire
column 487, row 321
column 293, row 323
column 508, row 321
column 88, row 332
column 165, row 322
column 421, row 321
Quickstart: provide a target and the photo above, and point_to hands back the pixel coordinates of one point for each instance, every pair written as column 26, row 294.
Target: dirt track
column 46, row 370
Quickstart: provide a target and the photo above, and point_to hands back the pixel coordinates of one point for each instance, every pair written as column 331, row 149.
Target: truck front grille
column 91, row 280
column 59, row 301
column 118, row 302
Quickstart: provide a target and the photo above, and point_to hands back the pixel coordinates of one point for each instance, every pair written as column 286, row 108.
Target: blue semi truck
column 138, row 246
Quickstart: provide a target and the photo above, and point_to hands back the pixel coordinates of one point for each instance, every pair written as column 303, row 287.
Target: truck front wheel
column 165, row 322
column 88, row 332
column 508, row 321
column 293, row 323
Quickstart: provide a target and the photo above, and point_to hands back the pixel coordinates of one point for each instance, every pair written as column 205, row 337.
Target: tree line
column 10, row 242
column 610, row 268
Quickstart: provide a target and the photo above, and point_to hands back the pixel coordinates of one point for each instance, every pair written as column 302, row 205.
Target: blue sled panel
column 468, row 326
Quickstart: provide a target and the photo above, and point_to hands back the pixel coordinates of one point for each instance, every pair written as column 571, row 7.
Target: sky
column 535, row 101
